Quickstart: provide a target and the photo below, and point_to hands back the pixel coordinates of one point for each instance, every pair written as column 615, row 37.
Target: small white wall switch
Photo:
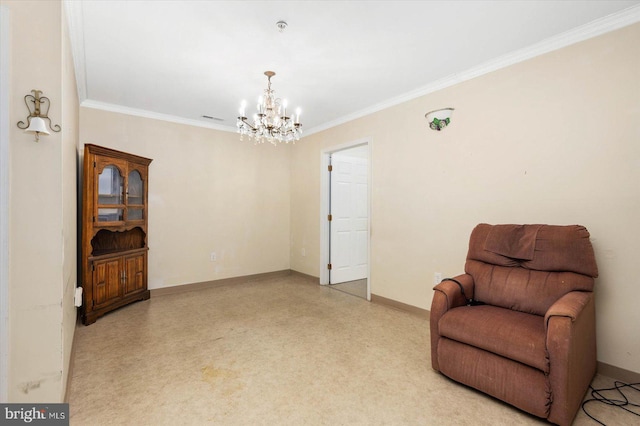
column 437, row 277
column 304, row 252
column 213, row 256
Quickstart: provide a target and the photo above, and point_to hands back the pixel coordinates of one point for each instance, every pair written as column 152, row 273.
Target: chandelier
column 271, row 123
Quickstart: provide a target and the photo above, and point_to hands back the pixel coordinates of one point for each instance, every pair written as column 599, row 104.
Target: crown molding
column 595, row 28
column 104, row 106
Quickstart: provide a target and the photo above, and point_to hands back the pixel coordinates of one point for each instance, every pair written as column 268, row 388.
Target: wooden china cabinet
column 114, row 230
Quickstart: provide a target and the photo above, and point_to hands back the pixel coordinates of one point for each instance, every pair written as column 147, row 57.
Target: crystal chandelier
column 271, row 122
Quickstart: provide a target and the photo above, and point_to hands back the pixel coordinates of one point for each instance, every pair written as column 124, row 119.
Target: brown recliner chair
column 520, row 323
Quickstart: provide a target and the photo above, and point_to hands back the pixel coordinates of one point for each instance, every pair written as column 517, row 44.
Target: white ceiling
column 337, row 60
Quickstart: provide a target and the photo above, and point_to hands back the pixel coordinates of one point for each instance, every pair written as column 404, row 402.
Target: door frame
column 4, row 202
column 325, row 187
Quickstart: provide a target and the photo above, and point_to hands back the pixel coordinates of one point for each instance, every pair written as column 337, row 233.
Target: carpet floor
column 279, row 351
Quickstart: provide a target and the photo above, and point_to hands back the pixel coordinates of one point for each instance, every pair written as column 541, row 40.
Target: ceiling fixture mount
column 282, row 25
column 271, row 123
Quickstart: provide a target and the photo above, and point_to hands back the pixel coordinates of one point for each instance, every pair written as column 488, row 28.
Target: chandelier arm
column 244, row 120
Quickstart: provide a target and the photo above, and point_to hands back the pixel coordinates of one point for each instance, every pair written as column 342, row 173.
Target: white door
column 349, row 215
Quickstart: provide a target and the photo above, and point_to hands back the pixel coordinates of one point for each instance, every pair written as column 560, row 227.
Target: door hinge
column 330, row 168
column 329, row 266
column 330, row 218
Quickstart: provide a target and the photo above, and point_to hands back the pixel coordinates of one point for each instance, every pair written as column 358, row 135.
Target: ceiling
column 336, row 60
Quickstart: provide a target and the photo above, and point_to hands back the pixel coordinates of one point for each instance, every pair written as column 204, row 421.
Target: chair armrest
column 453, row 294
column 447, row 295
column 570, row 305
column 571, row 347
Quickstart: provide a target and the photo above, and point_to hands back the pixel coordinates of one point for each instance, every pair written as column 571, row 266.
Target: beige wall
column 42, row 218
column 550, row 140
column 69, row 157
column 208, row 191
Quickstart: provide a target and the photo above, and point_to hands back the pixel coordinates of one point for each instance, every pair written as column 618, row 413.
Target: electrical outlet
column 304, row 252
column 213, row 256
column 437, row 277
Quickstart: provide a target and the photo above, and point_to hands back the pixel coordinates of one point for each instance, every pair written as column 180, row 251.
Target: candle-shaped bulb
column 298, row 115
column 243, row 105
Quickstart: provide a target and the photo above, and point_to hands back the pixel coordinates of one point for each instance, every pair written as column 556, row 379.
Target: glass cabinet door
column 135, row 196
column 110, row 195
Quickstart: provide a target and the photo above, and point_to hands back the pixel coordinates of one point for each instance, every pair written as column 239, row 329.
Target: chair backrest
column 528, row 267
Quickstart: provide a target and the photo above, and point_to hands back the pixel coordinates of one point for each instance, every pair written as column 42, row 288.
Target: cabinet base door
column 107, row 281
column 116, row 281
column 134, row 267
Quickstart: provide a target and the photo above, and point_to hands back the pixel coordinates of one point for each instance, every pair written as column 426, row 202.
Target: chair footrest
column 512, row 382
column 512, row 334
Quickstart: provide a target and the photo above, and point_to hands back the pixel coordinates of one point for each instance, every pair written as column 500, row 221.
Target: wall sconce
column 35, row 121
column 439, row 119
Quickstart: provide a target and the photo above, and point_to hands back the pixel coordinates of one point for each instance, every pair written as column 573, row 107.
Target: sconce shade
column 439, row 119
column 37, row 125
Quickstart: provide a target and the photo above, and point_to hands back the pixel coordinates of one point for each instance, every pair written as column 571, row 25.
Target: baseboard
column 618, row 373
column 310, row 278
column 164, row 291
column 423, row 313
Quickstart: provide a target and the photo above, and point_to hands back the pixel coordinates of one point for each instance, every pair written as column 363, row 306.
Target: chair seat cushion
column 512, row 334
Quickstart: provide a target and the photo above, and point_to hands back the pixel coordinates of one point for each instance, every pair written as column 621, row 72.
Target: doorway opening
column 345, row 218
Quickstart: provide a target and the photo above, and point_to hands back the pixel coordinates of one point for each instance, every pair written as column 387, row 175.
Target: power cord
column 620, row 403
column 470, row 301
